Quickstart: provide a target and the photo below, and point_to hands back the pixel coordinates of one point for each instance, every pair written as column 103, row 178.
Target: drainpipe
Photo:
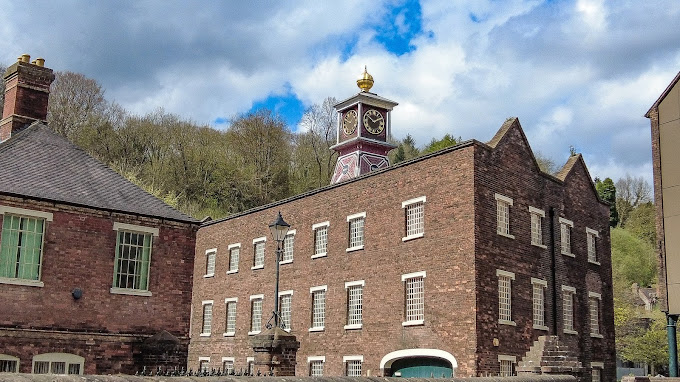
column 553, row 271
column 672, row 345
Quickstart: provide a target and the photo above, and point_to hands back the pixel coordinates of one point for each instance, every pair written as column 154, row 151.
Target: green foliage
column 645, row 339
column 641, row 222
column 607, row 192
column 439, row 144
column 406, row 149
column 633, row 260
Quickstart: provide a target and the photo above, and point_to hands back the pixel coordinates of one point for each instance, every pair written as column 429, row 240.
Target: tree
column 76, row 102
column 633, row 260
column 607, row 192
column 645, row 339
column 262, row 143
column 641, row 222
column 406, row 149
column 630, row 193
column 545, row 163
column 436, row 145
column 313, row 160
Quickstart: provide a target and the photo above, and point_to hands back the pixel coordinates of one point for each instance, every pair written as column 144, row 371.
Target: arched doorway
column 419, row 363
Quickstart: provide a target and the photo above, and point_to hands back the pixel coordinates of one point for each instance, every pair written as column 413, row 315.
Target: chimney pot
column 25, row 57
column 40, row 61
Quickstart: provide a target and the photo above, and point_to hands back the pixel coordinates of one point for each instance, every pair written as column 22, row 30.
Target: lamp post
column 279, row 230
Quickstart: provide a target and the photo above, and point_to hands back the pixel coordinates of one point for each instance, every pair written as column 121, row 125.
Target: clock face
column 374, row 122
column 349, row 123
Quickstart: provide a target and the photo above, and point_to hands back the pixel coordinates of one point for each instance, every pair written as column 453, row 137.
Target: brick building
column 92, row 268
column 468, row 261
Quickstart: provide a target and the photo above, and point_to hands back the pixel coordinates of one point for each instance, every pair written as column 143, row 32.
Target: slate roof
column 38, row 163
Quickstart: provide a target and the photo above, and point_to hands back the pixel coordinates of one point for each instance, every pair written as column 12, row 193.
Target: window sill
column 413, row 323
column 205, row 334
column 539, row 245
column 286, row 262
column 596, row 335
column 319, row 255
column 229, row 334
column 541, row 327
column 232, row 272
column 24, row 282
column 357, row 248
column 353, row 326
column 411, row 237
column 317, row 329
column 131, row 292
column 254, row 333
column 506, row 235
column 568, row 331
column 210, row 275
column 257, row 267
column 593, row 262
column 568, row 254
column 506, row 322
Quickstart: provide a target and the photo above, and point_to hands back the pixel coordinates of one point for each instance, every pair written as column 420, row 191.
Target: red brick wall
column 79, row 252
column 510, row 170
column 460, row 252
column 445, row 253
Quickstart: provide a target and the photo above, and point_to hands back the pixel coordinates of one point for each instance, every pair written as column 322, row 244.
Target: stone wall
column 126, row 378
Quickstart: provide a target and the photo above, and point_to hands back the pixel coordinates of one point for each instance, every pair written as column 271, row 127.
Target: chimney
column 27, row 91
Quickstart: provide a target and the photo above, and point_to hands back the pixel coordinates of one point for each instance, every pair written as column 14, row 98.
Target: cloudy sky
column 577, row 73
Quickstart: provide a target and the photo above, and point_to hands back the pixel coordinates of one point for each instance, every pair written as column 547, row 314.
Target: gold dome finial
column 365, row 82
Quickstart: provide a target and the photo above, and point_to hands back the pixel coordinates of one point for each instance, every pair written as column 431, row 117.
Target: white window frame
column 593, row 235
column 250, row 362
column 405, row 205
column 230, row 248
column 67, row 358
column 202, row 359
column 353, row 358
column 212, row 307
column 597, row 297
column 566, row 226
column 312, row 291
column 543, row 285
column 290, row 234
column 572, row 292
column 252, row 317
column 404, row 279
column 138, row 229
column 350, row 220
column 281, row 294
column 508, row 358
column 228, row 359
column 48, row 217
column 312, row 359
column 315, row 228
column 208, row 253
column 533, row 211
column 353, row 284
column 227, row 301
column 507, row 202
column 511, row 276
column 10, row 358
column 260, row 240
column 599, row 366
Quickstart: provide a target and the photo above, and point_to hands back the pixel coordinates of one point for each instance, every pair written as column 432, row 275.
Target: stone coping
column 9, row 377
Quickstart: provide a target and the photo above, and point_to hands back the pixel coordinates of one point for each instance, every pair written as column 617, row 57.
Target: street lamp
column 279, row 230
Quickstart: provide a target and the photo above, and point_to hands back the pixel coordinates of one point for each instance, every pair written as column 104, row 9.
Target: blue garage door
column 422, row 367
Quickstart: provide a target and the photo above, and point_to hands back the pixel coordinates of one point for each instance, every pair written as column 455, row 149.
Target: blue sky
column 578, row 73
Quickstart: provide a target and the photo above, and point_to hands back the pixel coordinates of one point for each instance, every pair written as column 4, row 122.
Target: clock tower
column 364, row 124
